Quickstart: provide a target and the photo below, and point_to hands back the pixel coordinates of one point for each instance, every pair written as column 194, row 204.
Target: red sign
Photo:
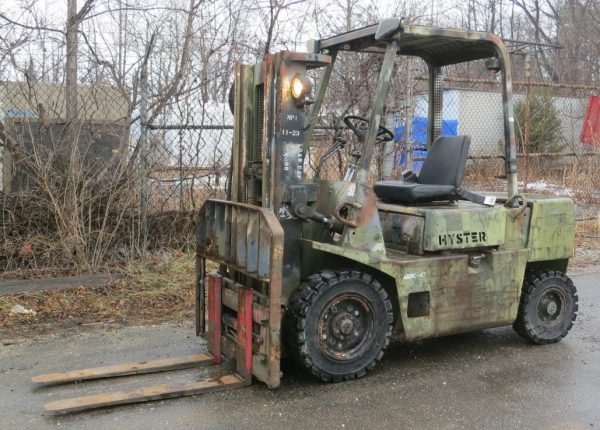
column 590, row 133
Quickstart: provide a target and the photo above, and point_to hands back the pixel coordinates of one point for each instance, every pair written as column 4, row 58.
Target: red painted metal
column 590, row 133
column 220, row 238
column 213, row 282
column 244, row 334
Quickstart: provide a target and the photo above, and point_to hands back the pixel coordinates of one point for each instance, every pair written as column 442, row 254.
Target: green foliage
column 544, row 124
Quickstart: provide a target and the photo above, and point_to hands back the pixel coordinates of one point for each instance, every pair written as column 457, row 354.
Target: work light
column 300, row 87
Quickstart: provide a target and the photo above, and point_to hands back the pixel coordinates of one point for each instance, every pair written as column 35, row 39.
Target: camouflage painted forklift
column 330, row 271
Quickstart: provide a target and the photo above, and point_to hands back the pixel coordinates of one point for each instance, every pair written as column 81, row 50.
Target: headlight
column 300, row 87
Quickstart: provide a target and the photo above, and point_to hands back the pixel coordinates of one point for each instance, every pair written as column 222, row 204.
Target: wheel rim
column 551, row 307
column 346, row 327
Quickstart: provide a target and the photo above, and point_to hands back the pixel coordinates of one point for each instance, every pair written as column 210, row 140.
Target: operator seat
column 440, row 177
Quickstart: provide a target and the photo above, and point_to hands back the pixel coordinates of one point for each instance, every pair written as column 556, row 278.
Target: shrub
column 544, row 124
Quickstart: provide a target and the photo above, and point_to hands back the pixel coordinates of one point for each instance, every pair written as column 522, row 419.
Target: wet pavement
column 490, row 379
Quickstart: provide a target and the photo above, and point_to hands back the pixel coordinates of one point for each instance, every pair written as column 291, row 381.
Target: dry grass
column 30, row 246
column 40, row 273
column 160, row 289
column 157, row 289
column 587, row 254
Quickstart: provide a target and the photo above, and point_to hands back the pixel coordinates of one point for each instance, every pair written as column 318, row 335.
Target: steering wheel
column 384, row 134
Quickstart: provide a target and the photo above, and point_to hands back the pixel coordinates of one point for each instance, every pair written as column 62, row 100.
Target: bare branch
column 29, row 27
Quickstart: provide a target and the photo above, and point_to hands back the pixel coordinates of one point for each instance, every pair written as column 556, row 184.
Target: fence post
column 144, row 156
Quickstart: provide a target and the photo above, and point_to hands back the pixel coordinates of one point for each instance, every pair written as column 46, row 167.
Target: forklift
column 330, row 271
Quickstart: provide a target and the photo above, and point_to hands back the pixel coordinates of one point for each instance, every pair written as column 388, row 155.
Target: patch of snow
column 537, row 186
column 22, row 310
column 548, row 187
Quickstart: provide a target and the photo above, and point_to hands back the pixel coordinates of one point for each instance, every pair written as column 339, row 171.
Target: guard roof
column 437, row 46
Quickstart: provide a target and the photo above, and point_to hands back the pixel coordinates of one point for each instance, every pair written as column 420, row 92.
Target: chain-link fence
column 549, row 122
column 42, row 142
column 66, row 183
column 86, row 176
column 190, row 161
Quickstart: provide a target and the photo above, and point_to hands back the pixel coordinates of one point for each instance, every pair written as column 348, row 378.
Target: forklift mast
column 269, row 143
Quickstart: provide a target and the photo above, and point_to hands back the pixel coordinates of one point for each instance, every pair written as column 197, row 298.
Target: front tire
column 548, row 307
column 342, row 323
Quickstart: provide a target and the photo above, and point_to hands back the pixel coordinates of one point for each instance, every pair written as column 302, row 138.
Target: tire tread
column 522, row 325
column 305, row 297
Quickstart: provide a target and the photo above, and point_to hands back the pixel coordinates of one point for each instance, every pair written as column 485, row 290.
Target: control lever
column 304, row 211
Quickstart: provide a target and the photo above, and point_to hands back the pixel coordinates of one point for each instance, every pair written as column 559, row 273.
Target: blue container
column 419, row 131
column 399, row 133
column 449, row 127
column 419, row 139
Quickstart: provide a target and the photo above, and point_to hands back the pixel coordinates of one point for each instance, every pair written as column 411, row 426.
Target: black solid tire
column 309, row 305
column 529, row 325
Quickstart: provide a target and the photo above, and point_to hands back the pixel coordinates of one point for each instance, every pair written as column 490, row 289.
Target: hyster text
column 465, row 237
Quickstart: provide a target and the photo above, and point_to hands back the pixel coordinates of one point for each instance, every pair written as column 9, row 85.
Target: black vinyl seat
column 440, row 177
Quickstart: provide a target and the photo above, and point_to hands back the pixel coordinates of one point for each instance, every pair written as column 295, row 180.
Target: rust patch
column 369, row 209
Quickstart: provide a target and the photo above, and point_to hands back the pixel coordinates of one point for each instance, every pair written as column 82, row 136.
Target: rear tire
column 548, row 307
column 342, row 323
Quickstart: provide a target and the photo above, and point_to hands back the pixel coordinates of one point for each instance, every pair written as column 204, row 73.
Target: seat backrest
column 445, row 161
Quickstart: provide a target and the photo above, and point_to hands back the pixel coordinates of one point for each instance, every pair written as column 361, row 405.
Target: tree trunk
column 71, row 69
